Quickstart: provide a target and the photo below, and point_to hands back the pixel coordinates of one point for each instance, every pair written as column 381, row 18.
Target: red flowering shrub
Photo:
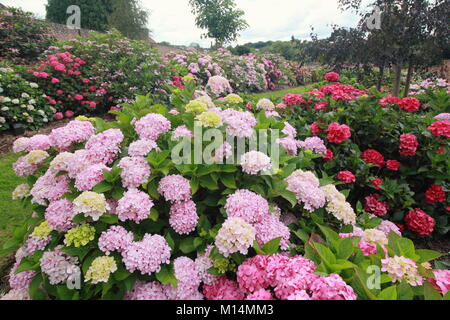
column 389, row 101
column 293, row 99
column 408, row 145
column 328, row 155
column 338, row 133
column 315, row 129
column 373, row 157
column 440, row 129
column 435, row 194
column 66, row 84
column 377, row 182
column 332, row 76
column 410, row 104
column 420, row 222
column 374, row 206
column 393, row 165
column 346, row 176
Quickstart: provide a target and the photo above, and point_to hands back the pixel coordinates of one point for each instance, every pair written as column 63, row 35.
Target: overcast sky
column 172, row 21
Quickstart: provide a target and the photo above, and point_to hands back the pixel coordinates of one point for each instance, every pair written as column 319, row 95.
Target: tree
column 413, row 34
column 220, row 18
column 130, row 19
column 126, row 16
column 93, row 17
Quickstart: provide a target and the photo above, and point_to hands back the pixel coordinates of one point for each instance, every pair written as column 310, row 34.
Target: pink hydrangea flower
column 116, row 238
column 222, row 289
column 152, row 126
column 135, row 171
column 59, row 215
column 142, row 148
column 135, row 205
column 183, row 217
column 90, row 177
column 245, row 204
column 331, row 288
column 175, row 188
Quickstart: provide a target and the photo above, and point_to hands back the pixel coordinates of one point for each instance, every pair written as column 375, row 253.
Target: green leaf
column 154, row 215
column 187, row 245
column 326, row 254
column 258, row 248
column 109, row 218
column 167, row 276
column 427, row 255
column 194, row 185
column 345, row 248
column 272, row 246
column 289, row 196
column 389, row 293
column 404, row 291
column 209, row 183
column 228, row 180
column 430, row 293
column 102, row 187
column 34, row 289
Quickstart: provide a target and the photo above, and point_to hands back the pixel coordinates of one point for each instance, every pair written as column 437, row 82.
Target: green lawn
column 276, row 95
column 11, row 212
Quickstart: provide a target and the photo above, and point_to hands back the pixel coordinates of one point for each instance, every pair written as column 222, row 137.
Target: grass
column 12, row 213
column 276, row 95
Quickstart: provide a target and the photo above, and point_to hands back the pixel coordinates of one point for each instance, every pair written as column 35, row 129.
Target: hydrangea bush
column 22, row 38
column 22, row 101
column 391, row 153
column 117, row 216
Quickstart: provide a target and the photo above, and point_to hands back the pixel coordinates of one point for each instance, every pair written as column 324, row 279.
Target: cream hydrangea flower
column 36, row 157
column 375, row 236
column 236, row 235
column 265, row 104
column 101, row 269
column 21, row 191
column 402, row 268
column 342, row 210
column 92, row 204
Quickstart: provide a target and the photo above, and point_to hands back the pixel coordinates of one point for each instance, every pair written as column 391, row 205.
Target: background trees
column 127, row 16
column 220, row 18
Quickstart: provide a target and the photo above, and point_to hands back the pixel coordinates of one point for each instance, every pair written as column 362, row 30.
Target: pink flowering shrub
column 116, row 208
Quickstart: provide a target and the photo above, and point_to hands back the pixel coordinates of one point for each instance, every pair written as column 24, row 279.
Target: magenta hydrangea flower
column 175, row 188
column 59, row 215
column 147, row 255
column 331, row 288
column 300, row 295
column 152, row 126
column 142, row 148
column 104, row 147
column 245, row 204
column 222, row 289
column 251, row 274
column 261, row 294
column 183, row 217
column 135, row 171
column 135, row 205
column 90, row 177
column 116, row 238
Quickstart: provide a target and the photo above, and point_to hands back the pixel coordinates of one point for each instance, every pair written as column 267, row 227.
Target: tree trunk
column 397, row 79
column 408, row 78
column 380, row 77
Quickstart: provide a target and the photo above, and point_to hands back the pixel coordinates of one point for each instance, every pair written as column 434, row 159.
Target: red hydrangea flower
column 410, row 104
column 332, row 76
column 346, row 176
column 374, row 157
column 374, row 206
column 393, row 165
column 435, row 194
column 321, row 105
column 389, row 101
column 420, row 222
column 315, row 129
column 401, row 227
column 440, row 129
column 338, row 133
column 328, row 155
column 377, row 183
column 408, row 145
column 292, row 99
